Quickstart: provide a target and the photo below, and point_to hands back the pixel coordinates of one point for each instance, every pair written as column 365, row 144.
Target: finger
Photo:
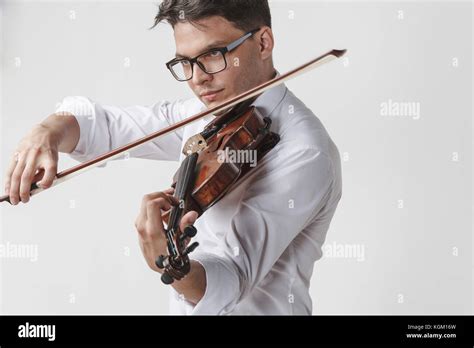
column 39, row 175
column 154, row 211
column 188, row 219
column 169, row 194
column 173, row 200
column 16, row 180
column 142, row 218
column 9, row 173
column 150, row 197
column 51, row 169
column 27, row 177
column 146, row 198
column 169, row 191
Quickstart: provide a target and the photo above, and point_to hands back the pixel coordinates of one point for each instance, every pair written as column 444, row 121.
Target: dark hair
column 244, row 14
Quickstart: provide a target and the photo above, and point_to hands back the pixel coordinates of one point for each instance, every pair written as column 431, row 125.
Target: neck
column 270, row 75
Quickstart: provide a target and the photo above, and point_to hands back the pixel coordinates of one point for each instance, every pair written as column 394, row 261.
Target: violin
column 202, row 178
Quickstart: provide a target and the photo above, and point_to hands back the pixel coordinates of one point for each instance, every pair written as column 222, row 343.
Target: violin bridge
column 194, row 144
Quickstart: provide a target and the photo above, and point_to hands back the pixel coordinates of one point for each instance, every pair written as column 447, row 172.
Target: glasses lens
column 182, row 70
column 212, row 62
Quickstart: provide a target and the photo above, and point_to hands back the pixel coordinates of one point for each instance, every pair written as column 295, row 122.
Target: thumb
column 188, row 219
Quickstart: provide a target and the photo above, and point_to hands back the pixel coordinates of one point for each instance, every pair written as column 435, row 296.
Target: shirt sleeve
column 105, row 127
column 274, row 209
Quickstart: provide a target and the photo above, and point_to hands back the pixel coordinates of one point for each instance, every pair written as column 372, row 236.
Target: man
column 259, row 243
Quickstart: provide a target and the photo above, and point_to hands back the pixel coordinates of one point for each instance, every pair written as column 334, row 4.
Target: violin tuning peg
column 191, row 248
column 166, row 278
column 160, row 261
column 190, row 231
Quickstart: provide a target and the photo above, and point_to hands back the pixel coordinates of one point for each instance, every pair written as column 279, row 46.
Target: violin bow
column 116, row 153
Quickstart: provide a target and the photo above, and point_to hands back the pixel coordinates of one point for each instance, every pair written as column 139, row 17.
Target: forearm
column 193, row 286
column 66, row 128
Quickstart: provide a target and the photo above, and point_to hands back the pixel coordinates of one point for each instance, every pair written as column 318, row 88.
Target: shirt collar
column 270, row 99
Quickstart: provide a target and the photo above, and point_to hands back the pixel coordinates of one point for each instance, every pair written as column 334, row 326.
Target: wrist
column 53, row 129
column 64, row 131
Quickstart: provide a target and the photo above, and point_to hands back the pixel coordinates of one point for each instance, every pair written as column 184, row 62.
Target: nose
column 199, row 75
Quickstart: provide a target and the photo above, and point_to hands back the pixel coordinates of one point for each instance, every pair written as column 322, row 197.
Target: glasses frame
column 223, row 50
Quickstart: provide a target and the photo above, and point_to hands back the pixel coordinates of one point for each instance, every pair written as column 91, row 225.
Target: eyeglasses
column 211, row 62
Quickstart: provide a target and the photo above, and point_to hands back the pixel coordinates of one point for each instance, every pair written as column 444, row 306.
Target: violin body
column 204, row 178
column 214, row 177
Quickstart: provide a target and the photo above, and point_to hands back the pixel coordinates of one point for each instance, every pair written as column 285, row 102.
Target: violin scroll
column 176, row 264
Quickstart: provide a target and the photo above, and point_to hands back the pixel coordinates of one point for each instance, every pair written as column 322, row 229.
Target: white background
column 417, row 254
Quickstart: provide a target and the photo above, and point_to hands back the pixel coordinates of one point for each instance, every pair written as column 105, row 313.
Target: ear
column 265, row 41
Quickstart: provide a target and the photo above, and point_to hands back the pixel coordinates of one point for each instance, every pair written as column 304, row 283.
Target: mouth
column 210, row 96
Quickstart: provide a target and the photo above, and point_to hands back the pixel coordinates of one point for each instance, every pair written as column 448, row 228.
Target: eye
column 185, row 62
column 214, row 53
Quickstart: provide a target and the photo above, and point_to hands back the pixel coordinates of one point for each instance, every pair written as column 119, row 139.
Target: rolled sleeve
column 83, row 110
column 105, row 127
column 263, row 227
column 221, row 274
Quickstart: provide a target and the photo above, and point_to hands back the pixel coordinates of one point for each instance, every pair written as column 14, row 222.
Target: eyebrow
column 206, row 48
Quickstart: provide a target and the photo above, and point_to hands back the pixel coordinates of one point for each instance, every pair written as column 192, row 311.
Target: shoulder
column 302, row 134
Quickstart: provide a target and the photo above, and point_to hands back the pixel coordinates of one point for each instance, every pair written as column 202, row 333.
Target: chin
column 211, row 104
column 208, row 105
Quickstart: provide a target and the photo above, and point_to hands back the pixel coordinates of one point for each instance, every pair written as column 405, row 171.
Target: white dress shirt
column 259, row 243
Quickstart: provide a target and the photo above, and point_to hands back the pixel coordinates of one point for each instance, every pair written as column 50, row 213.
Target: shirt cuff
column 222, row 285
column 84, row 111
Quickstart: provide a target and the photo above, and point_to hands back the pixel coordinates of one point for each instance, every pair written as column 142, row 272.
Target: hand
column 36, row 158
column 151, row 232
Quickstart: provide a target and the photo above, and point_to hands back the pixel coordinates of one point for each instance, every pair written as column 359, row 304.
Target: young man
column 259, row 243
